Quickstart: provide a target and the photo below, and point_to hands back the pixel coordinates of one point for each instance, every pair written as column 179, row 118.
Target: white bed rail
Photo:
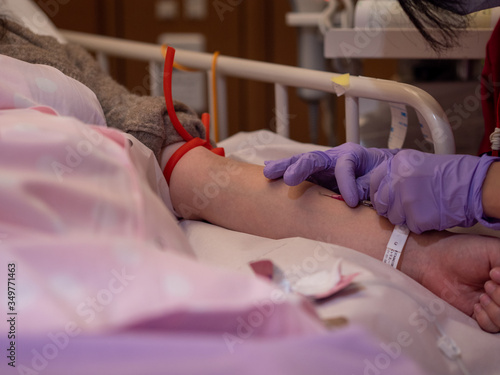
column 283, row 76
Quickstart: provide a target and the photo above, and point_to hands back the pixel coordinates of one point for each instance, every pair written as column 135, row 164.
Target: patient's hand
column 464, row 270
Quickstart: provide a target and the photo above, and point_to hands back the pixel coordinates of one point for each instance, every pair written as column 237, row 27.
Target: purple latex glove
column 346, row 168
column 428, row 191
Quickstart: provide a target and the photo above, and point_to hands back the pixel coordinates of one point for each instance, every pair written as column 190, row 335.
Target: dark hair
column 445, row 16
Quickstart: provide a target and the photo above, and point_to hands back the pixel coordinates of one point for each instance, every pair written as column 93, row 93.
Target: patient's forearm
column 237, row 196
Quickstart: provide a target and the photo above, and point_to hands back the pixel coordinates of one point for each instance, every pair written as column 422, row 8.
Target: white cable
column 445, row 343
column 325, row 21
column 346, row 10
column 495, row 139
column 347, row 16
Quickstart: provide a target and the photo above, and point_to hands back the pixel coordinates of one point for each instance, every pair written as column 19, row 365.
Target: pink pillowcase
column 25, row 85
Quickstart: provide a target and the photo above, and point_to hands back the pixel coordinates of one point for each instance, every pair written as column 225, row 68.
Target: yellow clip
column 341, row 84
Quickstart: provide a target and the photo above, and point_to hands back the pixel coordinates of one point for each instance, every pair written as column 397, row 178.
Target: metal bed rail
column 283, row 76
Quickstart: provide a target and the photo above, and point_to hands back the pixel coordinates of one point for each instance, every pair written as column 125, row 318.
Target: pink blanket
column 98, row 277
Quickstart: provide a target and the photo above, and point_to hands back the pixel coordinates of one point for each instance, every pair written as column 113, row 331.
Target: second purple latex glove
column 346, row 168
column 428, row 191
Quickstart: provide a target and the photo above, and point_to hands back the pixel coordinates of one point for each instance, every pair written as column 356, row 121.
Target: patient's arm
column 237, row 196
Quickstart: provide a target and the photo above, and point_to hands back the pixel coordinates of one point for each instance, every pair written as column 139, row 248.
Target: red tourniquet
column 192, row 142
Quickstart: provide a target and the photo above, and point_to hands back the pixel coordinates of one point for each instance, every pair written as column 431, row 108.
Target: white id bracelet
column 396, row 245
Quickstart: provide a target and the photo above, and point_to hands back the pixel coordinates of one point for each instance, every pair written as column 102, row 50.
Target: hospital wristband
column 396, row 245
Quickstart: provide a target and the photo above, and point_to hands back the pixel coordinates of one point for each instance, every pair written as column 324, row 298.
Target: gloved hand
column 428, row 191
column 346, row 168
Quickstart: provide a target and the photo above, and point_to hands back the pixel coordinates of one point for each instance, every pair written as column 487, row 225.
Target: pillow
column 25, row 85
column 28, row 14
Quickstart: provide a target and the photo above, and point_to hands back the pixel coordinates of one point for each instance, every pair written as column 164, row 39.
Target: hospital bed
column 383, row 301
column 382, row 323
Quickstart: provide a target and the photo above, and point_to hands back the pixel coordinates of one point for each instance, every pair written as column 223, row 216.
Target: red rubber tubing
column 167, row 91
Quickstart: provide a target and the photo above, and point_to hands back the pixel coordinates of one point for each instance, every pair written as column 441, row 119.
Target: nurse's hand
column 346, row 168
column 428, row 191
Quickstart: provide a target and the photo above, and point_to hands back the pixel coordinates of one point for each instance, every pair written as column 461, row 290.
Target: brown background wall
column 253, row 29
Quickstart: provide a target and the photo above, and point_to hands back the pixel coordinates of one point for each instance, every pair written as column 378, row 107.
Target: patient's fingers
column 495, row 274
column 483, row 317
column 488, row 309
column 493, row 308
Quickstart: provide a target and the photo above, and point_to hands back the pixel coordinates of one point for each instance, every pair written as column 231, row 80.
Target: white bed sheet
column 398, row 311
